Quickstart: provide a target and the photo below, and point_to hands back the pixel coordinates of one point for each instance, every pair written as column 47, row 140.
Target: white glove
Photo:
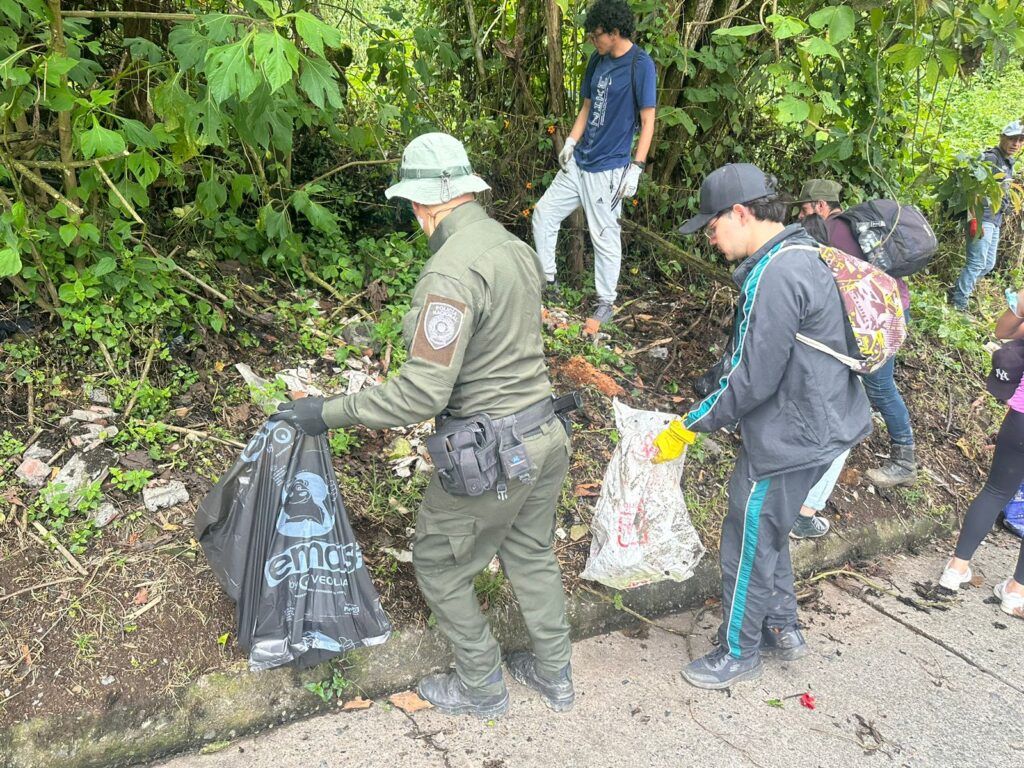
column 630, row 180
column 565, row 156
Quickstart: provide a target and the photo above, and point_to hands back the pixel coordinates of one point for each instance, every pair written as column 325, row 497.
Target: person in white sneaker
column 1004, row 478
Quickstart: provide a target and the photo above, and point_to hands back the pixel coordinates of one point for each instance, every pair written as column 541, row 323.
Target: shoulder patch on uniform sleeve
column 438, row 329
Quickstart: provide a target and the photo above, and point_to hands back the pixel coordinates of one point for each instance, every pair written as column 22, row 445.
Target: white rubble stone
column 160, row 494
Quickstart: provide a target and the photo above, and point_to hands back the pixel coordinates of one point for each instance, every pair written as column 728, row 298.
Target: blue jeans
column 981, row 259
column 886, row 399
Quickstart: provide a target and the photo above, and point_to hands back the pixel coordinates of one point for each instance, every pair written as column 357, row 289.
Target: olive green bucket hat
column 819, row 189
column 435, row 168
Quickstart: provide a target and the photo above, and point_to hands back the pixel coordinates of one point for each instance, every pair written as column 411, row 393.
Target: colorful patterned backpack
column 876, row 326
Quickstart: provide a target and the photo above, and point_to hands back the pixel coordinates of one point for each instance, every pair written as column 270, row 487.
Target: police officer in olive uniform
column 476, row 358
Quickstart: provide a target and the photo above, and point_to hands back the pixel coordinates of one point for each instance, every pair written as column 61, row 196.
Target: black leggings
column 1004, row 478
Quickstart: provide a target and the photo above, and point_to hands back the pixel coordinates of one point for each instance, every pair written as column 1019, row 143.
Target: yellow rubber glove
column 672, row 442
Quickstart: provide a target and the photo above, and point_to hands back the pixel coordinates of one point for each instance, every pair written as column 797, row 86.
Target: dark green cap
column 819, row 189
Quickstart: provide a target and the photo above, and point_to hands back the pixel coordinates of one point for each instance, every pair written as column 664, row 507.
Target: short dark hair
column 610, row 15
column 769, row 208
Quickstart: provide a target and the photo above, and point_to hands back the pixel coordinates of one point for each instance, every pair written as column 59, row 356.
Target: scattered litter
column 98, row 395
column 80, row 470
column 357, row 381
column 409, row 701
column 357, row 703
column 33, row 472
column 103, row 515
column 577, row 532
column 399, row 448
column 108, row 680
column 807, row 700
column 580, row 373
column 299, row 380
column 560, row 533
column 494, row 566
column 260, row 390
column 587, row 490
column 160, row 494
column 401, row 555
column 658, row 353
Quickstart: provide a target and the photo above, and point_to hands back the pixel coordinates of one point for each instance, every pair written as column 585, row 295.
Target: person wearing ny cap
column 475, row 348
column 983, row 236
column 797, row 409
column 597, row 168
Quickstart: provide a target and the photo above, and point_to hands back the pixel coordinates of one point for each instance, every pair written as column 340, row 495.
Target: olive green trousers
column 456, row 538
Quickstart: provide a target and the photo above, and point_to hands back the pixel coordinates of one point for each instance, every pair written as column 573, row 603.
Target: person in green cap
column 476, row 363
column 821, row 197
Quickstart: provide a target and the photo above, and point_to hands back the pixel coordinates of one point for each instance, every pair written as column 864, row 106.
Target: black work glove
column 306, row 414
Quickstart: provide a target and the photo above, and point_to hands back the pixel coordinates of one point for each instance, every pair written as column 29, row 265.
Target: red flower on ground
column 807, row 700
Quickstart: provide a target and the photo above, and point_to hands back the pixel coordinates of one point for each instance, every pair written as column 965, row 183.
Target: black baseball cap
column 732, row 184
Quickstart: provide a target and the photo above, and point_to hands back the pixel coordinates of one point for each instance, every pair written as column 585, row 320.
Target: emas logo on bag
column 302, row 559
column 304, row 513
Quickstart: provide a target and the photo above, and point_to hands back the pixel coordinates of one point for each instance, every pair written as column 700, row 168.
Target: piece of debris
column 260, row 390
column 588, row 490
column 560, row 533
column 80, row 470
column 108, row 680
column 398, row 448
column 807, row 700
column 581, row 373
column 160, row 494
column 357, row 703
column 401, row 555
column 577, row 532
column 359, row 334
column 409, row 701
column 36, row 451
column 849, row 476
column 104, row 514
column 93, row 434
column 33, row 473
column 299, row 380
column 357, row 380
column 658, row 353
column 97, row 395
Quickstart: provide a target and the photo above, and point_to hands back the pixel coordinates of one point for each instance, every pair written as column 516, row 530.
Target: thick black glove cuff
column 306, row 414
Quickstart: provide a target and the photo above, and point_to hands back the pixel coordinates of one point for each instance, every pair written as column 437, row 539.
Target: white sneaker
column 1009, row 602
column 952, row 579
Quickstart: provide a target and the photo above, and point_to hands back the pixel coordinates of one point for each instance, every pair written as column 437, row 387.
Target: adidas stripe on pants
column 757, row 574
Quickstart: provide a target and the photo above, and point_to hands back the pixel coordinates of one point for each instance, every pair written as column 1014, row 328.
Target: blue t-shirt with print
column 614, row 118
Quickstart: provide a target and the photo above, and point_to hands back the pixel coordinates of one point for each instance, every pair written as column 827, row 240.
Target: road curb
column 227, row 704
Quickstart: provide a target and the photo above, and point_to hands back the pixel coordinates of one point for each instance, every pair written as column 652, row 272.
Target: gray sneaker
column 809, row 527
column 558, row 694
column 451, row 696
column 717, row 670
column 602, row 312
column 786, row 643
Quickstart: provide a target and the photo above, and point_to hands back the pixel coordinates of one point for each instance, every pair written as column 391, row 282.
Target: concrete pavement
column 895, row 682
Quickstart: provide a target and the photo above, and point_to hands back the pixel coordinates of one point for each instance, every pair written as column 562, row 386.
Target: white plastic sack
column 641, row 530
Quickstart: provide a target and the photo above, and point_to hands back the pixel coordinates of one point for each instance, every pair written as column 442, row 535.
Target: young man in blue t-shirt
column 597, row 170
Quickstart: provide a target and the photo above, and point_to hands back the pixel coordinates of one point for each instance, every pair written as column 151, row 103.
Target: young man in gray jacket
column 797, row 409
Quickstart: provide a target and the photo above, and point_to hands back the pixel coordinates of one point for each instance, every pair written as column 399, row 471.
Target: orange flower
column 551, row 130
column 635, row 202
column 525, row 213
column 529, row 185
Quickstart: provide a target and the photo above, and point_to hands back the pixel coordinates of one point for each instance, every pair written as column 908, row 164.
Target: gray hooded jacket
column 797, row 407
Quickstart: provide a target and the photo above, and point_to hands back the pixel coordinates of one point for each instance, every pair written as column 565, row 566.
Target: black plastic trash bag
column 275, row 532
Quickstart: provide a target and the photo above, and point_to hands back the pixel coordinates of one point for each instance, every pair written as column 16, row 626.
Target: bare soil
column 148, row 617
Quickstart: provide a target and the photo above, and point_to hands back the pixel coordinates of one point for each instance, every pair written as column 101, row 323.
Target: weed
column 488, row 585
column 10, row 446
column 342, row 441
column 85, row 646
column 331, row 687
column 130, row 481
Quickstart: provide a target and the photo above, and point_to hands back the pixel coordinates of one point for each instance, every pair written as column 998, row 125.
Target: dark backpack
column 895, row 238
column 1007, row 370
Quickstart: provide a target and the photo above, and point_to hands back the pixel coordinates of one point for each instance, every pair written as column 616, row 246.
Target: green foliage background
column 141, row 150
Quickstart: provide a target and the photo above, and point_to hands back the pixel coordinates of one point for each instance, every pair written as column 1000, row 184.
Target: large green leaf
column 790, row 109
column 316, row 34
column 317, row 80
column 784, row 27
column 277, row 56
column 210, row 196
column 819, row 47
column 10, row 262
column 99, row 141
column 230, row 72
column 840, row 20
column 744, row 30
column 319, row 216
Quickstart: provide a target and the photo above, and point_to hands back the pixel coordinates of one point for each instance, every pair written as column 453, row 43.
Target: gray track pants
column 757, row 574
